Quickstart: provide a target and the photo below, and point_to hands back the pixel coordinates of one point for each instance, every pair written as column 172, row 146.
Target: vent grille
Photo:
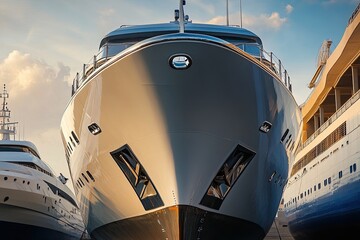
column 138, row 178
column 226, row 177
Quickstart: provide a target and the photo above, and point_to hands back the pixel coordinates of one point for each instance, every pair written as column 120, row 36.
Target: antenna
column 241, row 15
column 227, row 12
column 7, row 128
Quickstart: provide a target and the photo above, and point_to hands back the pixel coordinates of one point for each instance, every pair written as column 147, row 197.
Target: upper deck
column 127, row 38
column 138, row 33
column 338, row 82
column 336, row 90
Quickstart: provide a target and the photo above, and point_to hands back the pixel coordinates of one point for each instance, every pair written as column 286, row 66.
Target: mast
column 7, row 128
column 182, row 21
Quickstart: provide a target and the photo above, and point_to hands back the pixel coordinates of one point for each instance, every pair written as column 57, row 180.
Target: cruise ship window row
column 317, row 187
column 14, row 148
column 324, row 145
column 53, row 188
column 15, row 179
column 34, row 166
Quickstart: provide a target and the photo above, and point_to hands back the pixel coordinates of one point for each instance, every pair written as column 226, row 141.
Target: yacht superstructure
column 322, row 197
column 180, row 131
column 34, row 204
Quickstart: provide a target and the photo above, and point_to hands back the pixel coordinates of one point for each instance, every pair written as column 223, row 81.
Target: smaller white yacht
column 34, row 204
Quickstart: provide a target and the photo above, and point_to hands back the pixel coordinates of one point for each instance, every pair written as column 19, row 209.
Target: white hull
column 181, row 125
column 322, row 197
column 326, row 188
column 30, row 206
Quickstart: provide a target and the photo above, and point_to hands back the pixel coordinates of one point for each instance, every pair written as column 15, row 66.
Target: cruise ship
column 179, row 131
column 322, row 197
column 34, row 204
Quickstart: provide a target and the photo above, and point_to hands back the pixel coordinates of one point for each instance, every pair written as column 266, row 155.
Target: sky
column 44, row 43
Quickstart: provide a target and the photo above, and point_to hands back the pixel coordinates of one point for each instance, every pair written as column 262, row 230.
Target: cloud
column 220, row 20
column 38, row 95
column 289, row 8
column 205, row 6
column 264, row 21
column 38, row 92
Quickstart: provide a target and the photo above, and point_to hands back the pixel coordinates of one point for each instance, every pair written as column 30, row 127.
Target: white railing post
column 106, row 52
column 290, row 85
column 280, row 70
column 77, row 80
column 83, row 75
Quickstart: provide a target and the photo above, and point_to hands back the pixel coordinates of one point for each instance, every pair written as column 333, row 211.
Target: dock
column 279, row 229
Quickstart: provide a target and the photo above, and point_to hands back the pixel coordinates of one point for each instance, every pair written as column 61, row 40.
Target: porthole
column 94, row 129
column 72, row 141
column 5, row 178
column 6, row 199
column 82, row 182
column 85, row 177
column 75, row 137
column 284, row 135
column 180, row 61
column 91, row 176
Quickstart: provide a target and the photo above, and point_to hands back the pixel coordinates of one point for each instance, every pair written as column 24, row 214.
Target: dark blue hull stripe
column 333, row 216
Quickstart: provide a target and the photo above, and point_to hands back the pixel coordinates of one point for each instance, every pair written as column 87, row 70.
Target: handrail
column 354, row 14
column 267, row 58
column 335, row 116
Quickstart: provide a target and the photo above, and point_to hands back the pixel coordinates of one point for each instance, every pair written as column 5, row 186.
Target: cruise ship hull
column 322, row 197
column 334, row 209
column 340, row 215
column 216, row 124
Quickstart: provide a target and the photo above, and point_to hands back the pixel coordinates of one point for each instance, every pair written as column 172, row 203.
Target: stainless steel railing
column 109, row 50
column 354, row 14
column 335, row 116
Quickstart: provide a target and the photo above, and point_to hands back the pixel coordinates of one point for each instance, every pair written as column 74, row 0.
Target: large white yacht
column 322, row 197
column 180, row 131
column 34, row 204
